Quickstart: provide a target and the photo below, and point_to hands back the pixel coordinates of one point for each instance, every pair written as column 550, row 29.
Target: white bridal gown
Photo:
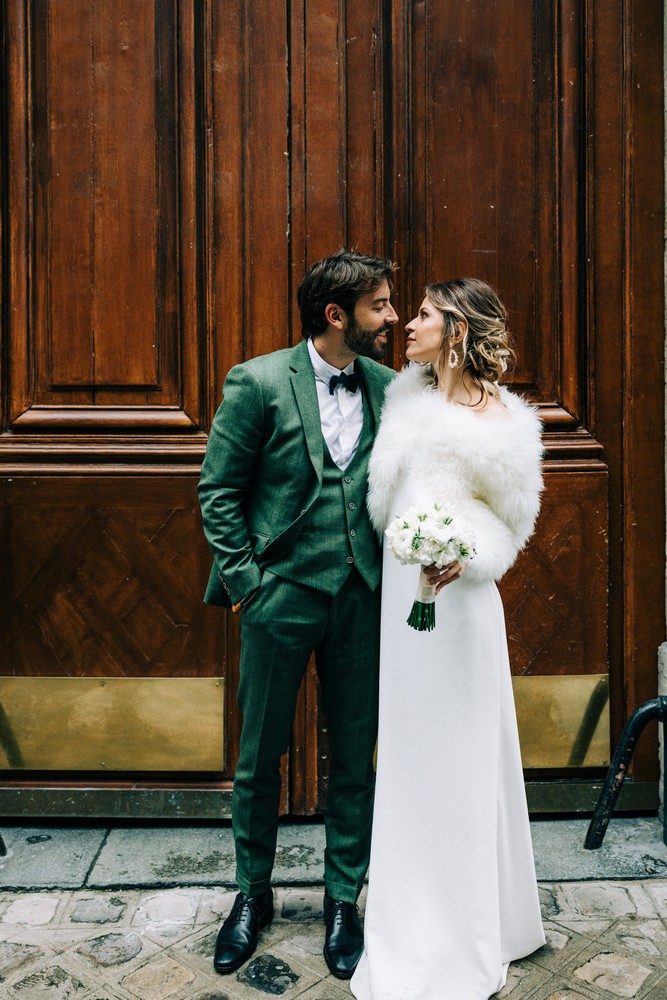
column 452, row 895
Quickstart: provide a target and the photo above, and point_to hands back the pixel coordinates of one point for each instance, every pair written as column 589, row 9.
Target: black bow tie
column 350, row 382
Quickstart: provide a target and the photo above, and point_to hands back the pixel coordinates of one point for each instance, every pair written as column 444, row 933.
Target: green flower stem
column 422, row 617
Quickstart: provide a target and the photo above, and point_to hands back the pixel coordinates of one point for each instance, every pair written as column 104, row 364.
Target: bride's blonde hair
column 485, row 351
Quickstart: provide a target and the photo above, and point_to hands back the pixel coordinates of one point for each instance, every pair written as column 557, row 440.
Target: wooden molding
column 93, row 418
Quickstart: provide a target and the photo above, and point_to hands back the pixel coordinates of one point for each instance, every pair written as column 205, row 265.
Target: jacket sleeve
column 233, row 447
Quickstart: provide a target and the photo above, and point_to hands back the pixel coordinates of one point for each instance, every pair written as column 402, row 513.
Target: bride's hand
column 439, row 578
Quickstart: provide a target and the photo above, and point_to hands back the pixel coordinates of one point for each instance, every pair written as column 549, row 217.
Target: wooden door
column 531, row 153
column 104, row 409
column 171, row 168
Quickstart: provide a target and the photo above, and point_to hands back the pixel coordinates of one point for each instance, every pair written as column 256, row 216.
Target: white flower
column 431, row 536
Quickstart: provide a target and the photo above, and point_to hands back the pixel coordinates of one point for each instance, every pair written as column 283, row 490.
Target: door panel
column 104, row 400
column 556, row 595
column 103, row 254
column 297, row 114
column 106, row 580
column 522, row 145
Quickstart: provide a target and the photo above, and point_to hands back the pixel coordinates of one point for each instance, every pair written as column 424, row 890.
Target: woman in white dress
column 452, row 896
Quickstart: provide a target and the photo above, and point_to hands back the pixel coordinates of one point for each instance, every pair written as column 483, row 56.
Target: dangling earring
column 452, row 360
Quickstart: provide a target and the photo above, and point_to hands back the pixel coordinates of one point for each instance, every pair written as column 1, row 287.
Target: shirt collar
column 323, row 370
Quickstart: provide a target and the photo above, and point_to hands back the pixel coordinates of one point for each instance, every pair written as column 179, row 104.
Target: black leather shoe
column 237, row 939
column 344, row 938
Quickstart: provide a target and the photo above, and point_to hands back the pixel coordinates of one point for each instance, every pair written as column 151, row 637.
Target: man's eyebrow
column 384, row 298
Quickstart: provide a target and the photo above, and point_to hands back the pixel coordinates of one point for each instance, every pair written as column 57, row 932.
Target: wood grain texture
column 486, row 140
column 130, row 546
column 555, row 595
column 104, row 95
column 644, row 511
column 298, row 149
column 126, row 210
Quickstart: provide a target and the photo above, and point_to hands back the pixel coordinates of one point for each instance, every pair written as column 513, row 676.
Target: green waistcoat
column 338, row 533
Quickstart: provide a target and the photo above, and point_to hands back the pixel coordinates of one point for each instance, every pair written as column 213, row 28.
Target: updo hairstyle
column 485, row 351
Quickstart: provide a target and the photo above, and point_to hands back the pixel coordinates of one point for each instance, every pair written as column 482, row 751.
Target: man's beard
column 363, row 342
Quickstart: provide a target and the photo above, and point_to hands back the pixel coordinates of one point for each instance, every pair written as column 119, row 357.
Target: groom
column 282, row 493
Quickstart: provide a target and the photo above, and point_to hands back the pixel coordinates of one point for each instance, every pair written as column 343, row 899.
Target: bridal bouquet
column 431, row 536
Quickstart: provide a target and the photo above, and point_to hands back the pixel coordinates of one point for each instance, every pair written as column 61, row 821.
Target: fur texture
column 488, row 468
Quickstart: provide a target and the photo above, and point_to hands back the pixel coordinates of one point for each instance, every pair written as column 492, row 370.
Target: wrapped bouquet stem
column 422, row 616
column 429, row 536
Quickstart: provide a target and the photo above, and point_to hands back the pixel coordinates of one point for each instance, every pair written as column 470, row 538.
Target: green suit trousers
column 280, row 627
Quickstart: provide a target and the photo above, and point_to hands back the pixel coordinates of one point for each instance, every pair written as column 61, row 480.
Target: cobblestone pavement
column 606, row 940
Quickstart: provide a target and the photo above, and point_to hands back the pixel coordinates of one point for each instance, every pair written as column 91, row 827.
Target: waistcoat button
column 347, row 479
column 351, row 506
column 352, row 532
column 350, row 559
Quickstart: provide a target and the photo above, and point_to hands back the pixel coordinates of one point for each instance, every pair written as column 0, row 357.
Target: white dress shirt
column 341, row 414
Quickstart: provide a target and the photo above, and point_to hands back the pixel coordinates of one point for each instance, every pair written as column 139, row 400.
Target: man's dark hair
column 341, row 278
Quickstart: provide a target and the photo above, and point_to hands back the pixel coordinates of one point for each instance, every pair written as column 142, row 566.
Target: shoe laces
column 243, row 908
column 343, row 913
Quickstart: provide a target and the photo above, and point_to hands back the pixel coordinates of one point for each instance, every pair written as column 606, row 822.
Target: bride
column 452, row 896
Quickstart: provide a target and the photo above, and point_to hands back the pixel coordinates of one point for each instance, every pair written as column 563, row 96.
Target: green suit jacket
column 263, row 466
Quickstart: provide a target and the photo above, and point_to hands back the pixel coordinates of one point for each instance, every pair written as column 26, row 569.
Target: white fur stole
column 487, row 466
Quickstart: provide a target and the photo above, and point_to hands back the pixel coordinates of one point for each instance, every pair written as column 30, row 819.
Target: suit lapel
column 374, row 388
column 303, row 383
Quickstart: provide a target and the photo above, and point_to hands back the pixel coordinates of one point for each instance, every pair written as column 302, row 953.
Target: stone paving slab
column 39, row 857
column 605, row 941
column 632, row 848
column 161, row 856
column 165, row 856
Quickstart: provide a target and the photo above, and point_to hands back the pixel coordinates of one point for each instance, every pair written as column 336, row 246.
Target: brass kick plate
column 112, row 724
column 563, row 720
column 177, row 724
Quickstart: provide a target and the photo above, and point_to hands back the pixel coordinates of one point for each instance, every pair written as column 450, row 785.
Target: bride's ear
column 459, row 332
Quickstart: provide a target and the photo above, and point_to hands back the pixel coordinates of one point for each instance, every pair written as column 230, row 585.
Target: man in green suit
column 282, row 493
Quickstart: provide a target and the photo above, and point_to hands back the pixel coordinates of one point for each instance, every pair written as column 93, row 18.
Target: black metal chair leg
column 656, row 709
